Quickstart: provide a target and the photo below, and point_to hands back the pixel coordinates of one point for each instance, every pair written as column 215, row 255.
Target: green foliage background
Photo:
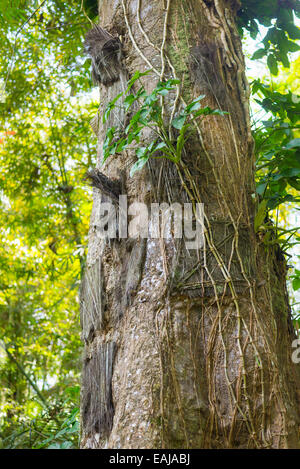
column 46, row 145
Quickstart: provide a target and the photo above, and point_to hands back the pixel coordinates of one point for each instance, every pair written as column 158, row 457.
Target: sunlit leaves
column 46, row 146
column 296, row 280
column 278, row 17
column 278, row 168
column 278, row 151
column 260, row 215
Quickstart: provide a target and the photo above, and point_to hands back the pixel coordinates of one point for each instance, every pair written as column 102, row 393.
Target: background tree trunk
column 187, row 348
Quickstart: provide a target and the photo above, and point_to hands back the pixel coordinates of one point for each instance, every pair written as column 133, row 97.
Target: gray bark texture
column 185, row 348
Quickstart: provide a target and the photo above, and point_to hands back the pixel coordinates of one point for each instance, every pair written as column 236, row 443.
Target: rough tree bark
column 187, row 348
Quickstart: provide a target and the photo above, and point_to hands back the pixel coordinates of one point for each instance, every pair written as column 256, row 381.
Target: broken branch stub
column 105, row 52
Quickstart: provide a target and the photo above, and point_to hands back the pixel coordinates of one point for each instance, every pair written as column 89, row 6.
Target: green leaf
column 111, row 105
column 178, row 122
column 151, row 98
column 219, row 112
column 272, row 64
column 173, row 82
column 293, row 31
column 159, row 146
column 129, row 100
column 66, row 445
column 284, row 59
column 258, row 54
column 163, row 92
column 293, row 182
column 139, row 165
column 135, row 77
column 181, row 141
column 296, row 283
column 288, row 173
column 260, row 215
column 293, row 47
column 260, row 189
column 140, row 152
column 194, row 105
column 293, row 143
column 208, row 110
column 122, row 144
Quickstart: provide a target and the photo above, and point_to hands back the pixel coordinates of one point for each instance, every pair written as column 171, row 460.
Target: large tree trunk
column 187, row 348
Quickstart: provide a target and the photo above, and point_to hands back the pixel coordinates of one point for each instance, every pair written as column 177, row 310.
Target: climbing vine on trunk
column 206, row 351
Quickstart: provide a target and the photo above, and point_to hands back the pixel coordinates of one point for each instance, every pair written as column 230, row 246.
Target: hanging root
column 97, row 404
column 110, row 187
column 105, row 52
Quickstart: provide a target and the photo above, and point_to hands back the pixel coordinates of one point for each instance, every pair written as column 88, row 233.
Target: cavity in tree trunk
column 185, row 348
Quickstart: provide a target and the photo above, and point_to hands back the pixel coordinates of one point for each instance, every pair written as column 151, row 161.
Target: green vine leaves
column 277, row 160
column 150, row 114
column 282, row 32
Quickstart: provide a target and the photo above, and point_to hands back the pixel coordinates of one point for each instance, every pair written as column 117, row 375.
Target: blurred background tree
column 46, row 147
